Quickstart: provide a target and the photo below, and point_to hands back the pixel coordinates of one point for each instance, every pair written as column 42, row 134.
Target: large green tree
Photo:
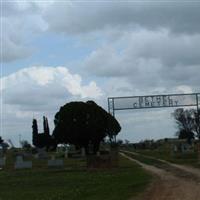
column 83, row 124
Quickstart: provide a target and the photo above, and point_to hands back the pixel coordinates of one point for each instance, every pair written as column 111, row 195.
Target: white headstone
column 21, row 164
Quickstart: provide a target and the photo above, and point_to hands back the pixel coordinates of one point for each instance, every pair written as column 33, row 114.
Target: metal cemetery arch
column 153, row 101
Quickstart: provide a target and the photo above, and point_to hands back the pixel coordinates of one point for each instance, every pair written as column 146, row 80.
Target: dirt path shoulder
column 168, row 185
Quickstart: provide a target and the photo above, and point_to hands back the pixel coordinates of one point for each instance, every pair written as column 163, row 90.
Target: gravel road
column 169, row 185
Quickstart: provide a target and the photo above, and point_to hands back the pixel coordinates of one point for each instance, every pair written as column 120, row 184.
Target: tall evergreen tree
column 35, row 133
column 47, row 137
column 45, row 125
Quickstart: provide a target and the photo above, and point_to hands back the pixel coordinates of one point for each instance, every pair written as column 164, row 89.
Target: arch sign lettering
column 153, row 101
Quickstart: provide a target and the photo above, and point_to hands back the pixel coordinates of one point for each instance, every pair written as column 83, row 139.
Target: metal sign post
column 198, row 121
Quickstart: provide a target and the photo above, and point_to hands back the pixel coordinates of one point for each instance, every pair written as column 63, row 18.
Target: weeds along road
column 172, row 182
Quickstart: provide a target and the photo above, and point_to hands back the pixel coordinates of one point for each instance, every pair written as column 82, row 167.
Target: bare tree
column 188, row 121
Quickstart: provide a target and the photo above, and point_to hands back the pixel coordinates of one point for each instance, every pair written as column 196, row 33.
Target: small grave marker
column 42, row 154
column 21, row 164
column 66, row 153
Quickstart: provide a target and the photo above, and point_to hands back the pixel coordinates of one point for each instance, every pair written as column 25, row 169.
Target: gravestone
column 21, row 164
column 42, row 154
column 66, row 153
column 175, row 148
column 57, row 163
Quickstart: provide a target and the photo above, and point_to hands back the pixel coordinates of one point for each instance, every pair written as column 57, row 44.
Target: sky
column 54, row 52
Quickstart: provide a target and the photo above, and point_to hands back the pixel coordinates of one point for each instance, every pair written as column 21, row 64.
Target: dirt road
column 172, row 186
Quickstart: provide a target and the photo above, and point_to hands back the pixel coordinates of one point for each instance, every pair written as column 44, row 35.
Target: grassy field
column 74, row 183
column 178, row 158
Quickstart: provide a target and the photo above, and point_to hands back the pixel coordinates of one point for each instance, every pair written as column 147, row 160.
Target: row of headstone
column 53, row 162
column 182, row 148
column 42, row 154
column 21, row 164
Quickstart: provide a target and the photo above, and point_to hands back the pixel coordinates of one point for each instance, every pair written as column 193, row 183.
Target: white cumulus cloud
column 37, row 91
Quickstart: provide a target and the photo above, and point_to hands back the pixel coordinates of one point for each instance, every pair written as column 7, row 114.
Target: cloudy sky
column 53, row 52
